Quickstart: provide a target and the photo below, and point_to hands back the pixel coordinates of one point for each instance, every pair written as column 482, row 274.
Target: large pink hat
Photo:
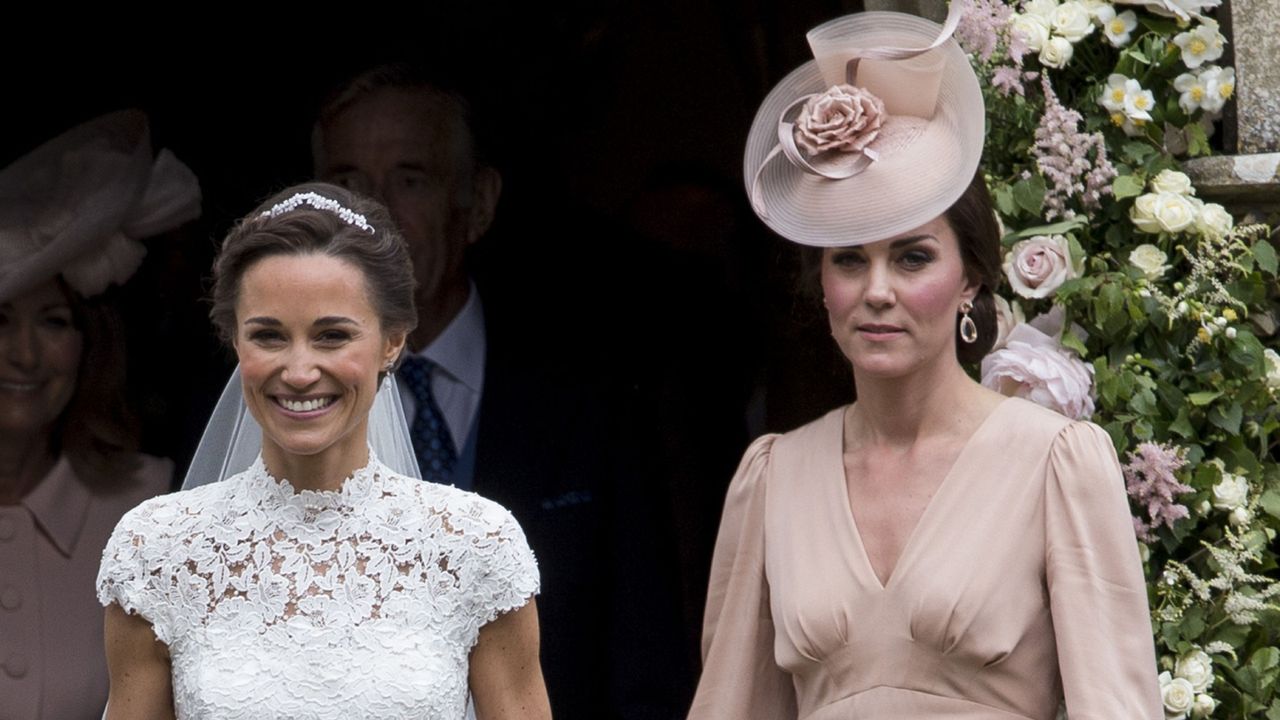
column 78, row 205
column 879, row 134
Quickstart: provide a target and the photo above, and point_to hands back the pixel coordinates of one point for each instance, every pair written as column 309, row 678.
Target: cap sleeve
column 509, row 577
column 740, row 677
column 1097, row 594
column 133, row 567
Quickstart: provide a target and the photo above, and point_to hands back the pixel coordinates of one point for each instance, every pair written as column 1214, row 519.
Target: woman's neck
column 325, row 470
column 24, row 461
column 899, row 411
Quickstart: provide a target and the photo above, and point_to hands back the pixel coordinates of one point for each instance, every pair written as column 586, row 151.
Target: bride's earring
column 968, row 328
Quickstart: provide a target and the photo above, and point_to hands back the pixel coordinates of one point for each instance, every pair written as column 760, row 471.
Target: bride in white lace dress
column 319, row 583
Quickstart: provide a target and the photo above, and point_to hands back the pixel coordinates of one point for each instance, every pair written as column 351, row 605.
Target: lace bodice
column 363, row 602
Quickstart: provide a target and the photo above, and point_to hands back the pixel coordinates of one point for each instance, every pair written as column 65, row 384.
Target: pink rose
column 1008, row 316
column 1032, row 365
column 844, row 118
column 1037, row 267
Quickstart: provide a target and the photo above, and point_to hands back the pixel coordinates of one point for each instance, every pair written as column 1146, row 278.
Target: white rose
column 1143, row 213
column 1032, row 29
column 1037, row 267
column 1172, row 181
column 1009, row 316
column 1150, row 260
column 1071, row 21
column 1273, row 368
column 1213, row 219
column 1196, row 668
column 1056, row 53
column 1034, row 366
column 1178, row 696
column 1174, row 212
column 1203, row 706
column 1043, row 9
column 1231, row 492
column 1239, row 516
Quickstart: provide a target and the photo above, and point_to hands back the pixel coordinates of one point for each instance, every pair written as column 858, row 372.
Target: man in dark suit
column 512, row 422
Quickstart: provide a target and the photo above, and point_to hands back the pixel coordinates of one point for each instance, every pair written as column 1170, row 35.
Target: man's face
column 402, row 147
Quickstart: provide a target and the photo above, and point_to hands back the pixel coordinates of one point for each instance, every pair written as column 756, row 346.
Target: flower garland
column 1152, row 312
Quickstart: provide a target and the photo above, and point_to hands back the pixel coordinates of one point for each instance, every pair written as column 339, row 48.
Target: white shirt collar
column 460, row 349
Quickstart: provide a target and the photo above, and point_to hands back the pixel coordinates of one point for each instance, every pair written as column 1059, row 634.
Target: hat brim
column 904, row 188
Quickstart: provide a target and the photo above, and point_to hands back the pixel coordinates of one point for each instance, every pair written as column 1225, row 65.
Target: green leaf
column 1204, row 397
column 1071, row 342
column 1126, row 186
column 1246, row 352
column 1197, row 141
column 1004, row 201
column 1193, row 623
column 1138, row 151
column 1270, row 503
column 1028, row 193
column 1228, row 419
column 1143, row 402
column 1265, row 255
column 1182, row 425
column 1265, row 659
column 1274, row 712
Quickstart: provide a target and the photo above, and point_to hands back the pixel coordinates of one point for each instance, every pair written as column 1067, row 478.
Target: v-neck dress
column 1020, row 585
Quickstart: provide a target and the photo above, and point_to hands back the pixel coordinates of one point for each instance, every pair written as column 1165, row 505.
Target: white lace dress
column 358, row 603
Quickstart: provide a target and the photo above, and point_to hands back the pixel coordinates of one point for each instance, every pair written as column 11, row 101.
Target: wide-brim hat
column 879, row 134
column 78, row 205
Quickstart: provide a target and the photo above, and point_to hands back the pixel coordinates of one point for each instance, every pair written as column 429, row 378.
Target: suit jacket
column 552, row 446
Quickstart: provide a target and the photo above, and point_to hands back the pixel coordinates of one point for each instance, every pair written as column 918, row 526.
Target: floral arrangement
column 1151, row 312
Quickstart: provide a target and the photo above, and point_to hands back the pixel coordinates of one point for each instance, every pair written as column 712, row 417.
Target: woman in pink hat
column 71, row 215
column 933, row 549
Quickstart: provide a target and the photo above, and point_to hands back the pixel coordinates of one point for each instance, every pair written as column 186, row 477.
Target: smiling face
column 310, row 346
column 893, row 304
column 40, row 351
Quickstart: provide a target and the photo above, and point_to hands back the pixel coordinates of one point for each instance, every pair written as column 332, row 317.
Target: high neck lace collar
column 280, row 492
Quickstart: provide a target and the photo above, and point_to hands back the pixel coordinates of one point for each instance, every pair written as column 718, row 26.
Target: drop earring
column 968, row 328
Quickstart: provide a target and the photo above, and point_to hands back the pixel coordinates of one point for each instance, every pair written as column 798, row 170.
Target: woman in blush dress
column 72, row 214
column 319, row 583
column 933, row 549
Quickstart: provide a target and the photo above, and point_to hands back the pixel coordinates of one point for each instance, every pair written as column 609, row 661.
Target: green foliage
column 1182, row 349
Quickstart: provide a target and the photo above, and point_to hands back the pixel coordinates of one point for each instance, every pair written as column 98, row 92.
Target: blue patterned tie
column 430, row 434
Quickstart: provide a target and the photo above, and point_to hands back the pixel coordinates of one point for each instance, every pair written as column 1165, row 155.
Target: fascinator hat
column 78, row 205
column 880, row 133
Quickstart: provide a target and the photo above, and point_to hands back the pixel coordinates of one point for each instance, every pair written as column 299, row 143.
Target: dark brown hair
column 381, row 255
column 972, row 218
column 97, row 431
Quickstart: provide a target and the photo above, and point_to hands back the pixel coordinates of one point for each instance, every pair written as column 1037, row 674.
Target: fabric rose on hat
column 844, row 118
column 1034, row 366
column 1037, row 267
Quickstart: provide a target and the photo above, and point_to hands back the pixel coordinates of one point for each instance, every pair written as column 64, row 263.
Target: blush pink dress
column 1019, row 586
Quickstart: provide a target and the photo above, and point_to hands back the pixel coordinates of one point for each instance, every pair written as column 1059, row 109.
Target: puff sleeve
column 1097, row 594
column 740, row 678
